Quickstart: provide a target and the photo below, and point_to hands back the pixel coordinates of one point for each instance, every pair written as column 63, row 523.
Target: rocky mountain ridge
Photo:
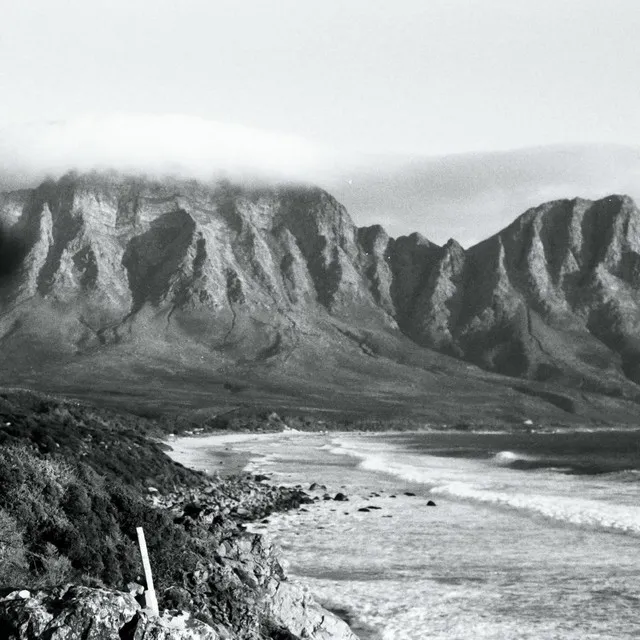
column 552, row 296
column 222, row 276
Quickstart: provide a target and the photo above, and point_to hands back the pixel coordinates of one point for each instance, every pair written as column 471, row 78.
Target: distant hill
column 182, row 296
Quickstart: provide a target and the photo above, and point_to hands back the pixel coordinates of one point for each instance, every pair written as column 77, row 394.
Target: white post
column 150, row 599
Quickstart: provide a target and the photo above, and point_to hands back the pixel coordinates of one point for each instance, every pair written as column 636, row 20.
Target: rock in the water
column 340, row 497
column 431, row 503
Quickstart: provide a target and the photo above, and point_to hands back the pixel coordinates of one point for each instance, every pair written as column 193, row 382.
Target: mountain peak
column 231, row 273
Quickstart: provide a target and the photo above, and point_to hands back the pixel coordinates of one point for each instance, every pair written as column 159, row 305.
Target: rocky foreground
column 69, row 563
column 241, row 591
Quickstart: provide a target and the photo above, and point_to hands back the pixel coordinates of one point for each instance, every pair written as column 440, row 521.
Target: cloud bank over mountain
column 155, row 144
column 467, row 197
column 471, row 196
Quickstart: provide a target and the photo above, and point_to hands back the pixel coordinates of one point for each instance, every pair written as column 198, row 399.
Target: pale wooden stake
column 150, row 599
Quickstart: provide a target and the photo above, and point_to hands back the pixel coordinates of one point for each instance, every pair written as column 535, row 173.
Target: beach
column 505, row 553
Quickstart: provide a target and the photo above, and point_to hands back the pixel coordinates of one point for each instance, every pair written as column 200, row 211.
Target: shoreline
column 212, row 454
column 214, row 451
column 403, row 571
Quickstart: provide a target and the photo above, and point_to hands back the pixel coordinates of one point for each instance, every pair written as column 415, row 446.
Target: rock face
column 71, row 612
column 84, row 613
column 231, row 266
column 204, row 558
column 255, row 274
column 554, row 296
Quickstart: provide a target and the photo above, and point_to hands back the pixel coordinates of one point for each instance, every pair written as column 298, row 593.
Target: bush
column 13, row 561
column 116, row 446
column 62, row 524
column 51, row 568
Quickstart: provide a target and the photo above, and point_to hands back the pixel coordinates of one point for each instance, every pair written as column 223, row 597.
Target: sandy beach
column 213, row 453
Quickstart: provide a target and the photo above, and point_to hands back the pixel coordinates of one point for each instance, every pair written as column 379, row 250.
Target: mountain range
column 184, row 296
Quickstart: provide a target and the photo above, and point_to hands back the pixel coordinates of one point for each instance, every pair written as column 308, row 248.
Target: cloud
column 467, row 196
column 472, row 196
column 177, row 145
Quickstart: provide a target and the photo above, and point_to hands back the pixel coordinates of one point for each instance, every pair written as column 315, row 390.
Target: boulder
column 66, row 613
column 85, row 613
column 293, row 612
column 167, row 627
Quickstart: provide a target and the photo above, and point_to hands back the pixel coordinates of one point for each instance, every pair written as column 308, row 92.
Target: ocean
column 533, row 535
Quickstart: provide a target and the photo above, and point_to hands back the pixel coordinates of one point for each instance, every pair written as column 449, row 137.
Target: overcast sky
column 410, row 77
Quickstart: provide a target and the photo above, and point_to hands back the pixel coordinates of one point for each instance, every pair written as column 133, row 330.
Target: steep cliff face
column 553, row 296
column 118, row 257
column 185, row 271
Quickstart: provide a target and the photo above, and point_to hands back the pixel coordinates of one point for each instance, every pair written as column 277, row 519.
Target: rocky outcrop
column 74, row 612
column 84, row 613
column 234, row 589
column 295, row 612
column 438, row 300
column 239, row 497
column 252, row 592
column 555, row 296
column 227, row 265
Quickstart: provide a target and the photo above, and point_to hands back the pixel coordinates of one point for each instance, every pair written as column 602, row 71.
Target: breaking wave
column 508, row 458
column 572, row 510
column 574, row 500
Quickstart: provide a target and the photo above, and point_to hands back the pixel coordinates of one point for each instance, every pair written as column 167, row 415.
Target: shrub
column 51, row 568
column 62, row 523
column 13, row 560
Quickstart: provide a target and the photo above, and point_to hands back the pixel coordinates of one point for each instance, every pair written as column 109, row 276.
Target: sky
column 324, row 82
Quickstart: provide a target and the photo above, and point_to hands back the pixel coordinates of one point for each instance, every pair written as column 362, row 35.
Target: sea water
column 533, row 536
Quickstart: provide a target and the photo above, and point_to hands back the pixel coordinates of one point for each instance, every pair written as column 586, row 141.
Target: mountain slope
column 554, row 296
column 216, row 295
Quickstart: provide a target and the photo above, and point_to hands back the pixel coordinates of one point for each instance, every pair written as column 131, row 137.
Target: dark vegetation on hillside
column 118, row 446
column 61, row 521
column 74, row 485
column 69, row 504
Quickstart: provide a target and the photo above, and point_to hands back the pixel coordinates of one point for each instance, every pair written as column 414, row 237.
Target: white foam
column 473, row 481
column 477, row 566
column 506, row 458
column 581, row 512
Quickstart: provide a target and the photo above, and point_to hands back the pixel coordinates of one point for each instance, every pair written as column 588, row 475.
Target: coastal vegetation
column 76, row 481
